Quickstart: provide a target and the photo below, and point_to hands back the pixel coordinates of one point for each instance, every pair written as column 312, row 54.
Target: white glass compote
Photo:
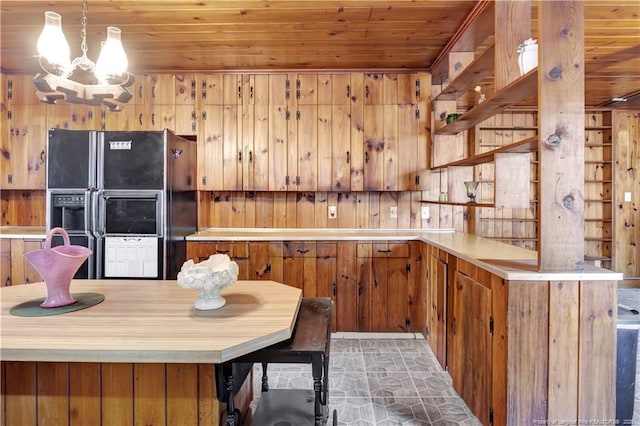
column 210, row 277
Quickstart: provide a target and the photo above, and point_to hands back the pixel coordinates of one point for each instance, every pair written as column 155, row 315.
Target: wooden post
column 561, row 135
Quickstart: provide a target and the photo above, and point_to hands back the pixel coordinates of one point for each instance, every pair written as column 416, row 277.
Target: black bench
column 309, row 343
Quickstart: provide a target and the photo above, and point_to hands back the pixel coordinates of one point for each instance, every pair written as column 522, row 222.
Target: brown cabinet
column 237, row 251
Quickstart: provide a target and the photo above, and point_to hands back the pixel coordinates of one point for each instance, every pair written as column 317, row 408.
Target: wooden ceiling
column 262, row 35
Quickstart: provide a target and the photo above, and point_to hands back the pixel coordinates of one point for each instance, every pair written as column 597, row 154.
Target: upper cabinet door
column 374, row 89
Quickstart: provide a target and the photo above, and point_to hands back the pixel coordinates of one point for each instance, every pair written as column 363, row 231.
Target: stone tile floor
column 380, row 382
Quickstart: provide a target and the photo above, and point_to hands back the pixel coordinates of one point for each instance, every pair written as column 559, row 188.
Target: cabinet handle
column 334, row 288
column 348, row 157
column 140, row 91
column 366, row 91
column 366, row 157
column 251, row 92
column 268, row 268
column 303, row 251
column 239, row 156
column 153, row 119
column 43, row 159
column 204, row 89
column 360, row 289
column 7, row 283
column 384, row 250
column 239, row 92
column 140, row 119
column 250, row 156
column 222, row 251
column 348, row 91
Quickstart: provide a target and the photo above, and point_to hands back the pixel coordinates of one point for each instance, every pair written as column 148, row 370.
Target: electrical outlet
column 333, row 212
column 627, row 197
column 425, row 212
column 393, row 212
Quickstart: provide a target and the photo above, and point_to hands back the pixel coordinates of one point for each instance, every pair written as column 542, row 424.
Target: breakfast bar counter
column 144, row 355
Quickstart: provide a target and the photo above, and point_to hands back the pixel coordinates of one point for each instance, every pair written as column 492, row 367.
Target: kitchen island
column 142, row 356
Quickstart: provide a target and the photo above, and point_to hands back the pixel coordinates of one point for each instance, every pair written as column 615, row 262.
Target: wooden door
column 373, row 147
column 397, row 294
column 307, row 149
column 210, row 149
column 347, row 289
column 470, row 366
column 437, row 299
column 278, row 147
column 342, row 154
column 373, row 89
column 299, row 266
column 237, row 252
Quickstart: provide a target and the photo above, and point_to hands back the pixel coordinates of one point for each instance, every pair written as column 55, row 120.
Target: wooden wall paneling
column 347, row 209
column 5, row 262
column 52, row 393
column 358, row 147
column 512, row 181
column 231, row 89
column 238, row 210
column 305, row 209
column 84, row 394
column 291, row 210
column 325, row 89
column 374, row 147
column 390, row 89
column 208, row 408
column 369, row 292
column 186, row 121
column 85, row 117
column 341, row 148
column 278, row 147
column 159, row 89
column 20, row 381
column 250, row 209
column 280, row 210
column 342, row 89
column 18, row 265
column 407, row 90
column 21, row 90
column 264, row 210
column 119, row 120
column 149, row 391
column 626, row 256
column 561, row 105
column 326, row 278
column 597, row 327
column 373, row 89
column 26, row 151
column 527, row 367
column 276, row 259
column 387, row 201
column 347, row 289
column 424, row 143
column 246, row 148
column 210, row 89
column 261, row 153
column 182, row 394
column 306, row 89
column 563, row 345
column 363, row 206
column 391, row 144
column 508, row 38
column 407, row 147
column 375, row 210
column 222, row 210
column 406, row 213
column 307, row 148
column 231, row 153
column 186, row 89
column 445, row 148
column 321, row 208
column 324, row 144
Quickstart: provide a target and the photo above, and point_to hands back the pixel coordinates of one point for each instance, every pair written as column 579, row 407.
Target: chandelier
column 81, row 81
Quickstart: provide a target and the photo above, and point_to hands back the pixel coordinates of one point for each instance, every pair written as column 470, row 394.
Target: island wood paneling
column 80, row 394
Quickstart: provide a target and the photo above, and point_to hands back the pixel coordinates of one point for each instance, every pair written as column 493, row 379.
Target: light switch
column 627, row 197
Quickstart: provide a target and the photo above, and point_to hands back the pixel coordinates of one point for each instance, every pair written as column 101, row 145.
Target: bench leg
column 318, row 388
column 265, row 379
column 229, row 386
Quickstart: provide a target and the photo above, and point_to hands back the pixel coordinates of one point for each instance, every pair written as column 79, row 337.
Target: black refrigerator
column 128, row 196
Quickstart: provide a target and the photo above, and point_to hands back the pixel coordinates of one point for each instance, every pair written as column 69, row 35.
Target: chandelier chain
column 83, row 34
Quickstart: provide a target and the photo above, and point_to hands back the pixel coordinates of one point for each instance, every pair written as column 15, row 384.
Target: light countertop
column 23, row 232
column 504, row 260
column 149, row 321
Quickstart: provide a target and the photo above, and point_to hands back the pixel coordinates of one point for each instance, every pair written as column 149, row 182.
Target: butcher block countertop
column 149, row 321
column 505, row 260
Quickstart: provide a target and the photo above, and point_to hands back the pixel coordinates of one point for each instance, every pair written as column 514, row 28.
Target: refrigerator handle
column 98, row 219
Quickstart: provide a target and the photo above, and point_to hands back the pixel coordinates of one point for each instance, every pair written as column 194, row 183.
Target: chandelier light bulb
column 112, row 61
column 52, row 44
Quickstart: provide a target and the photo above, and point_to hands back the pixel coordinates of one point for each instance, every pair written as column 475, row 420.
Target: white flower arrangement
column 528, row 42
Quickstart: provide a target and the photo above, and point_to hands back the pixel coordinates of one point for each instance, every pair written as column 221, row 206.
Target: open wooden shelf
column 469, row 77
column 509, row 95
column 522, row 147
column 447, row 203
